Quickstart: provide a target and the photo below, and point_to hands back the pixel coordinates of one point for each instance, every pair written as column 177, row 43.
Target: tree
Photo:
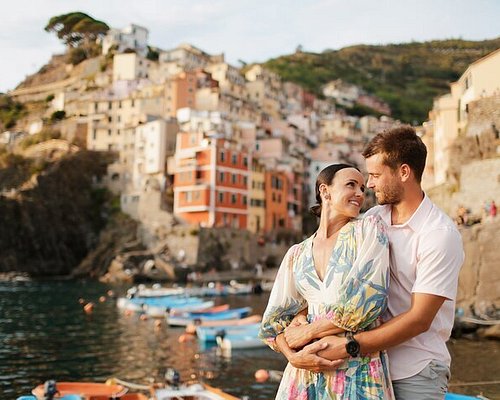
column 76, row 28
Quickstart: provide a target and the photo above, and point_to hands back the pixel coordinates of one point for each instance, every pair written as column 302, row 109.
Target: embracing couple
column 363, row 308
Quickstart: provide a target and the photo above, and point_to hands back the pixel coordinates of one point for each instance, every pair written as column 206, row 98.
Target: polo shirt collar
column 416, row 221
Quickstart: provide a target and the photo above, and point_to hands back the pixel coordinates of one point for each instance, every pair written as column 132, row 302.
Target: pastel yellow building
column 449, row 115
column 257, row 207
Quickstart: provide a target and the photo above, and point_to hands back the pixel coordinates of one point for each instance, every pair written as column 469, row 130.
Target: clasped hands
column 320, row 355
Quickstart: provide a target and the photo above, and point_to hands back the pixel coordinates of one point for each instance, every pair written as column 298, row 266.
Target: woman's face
column 346, row 193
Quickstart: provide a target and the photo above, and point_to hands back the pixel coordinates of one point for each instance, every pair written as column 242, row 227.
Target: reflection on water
column 44, row 334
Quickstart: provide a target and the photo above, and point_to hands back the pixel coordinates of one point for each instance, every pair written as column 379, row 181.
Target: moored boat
column 209, row 333
column 195, row 392
column 81, row 391
column 190, row 318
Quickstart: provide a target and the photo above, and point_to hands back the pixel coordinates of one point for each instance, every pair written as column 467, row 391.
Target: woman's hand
column 298, row 336
column 298, row 320
column 308, row 358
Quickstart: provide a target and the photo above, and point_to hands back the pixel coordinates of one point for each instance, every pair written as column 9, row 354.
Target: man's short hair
column 400, row 145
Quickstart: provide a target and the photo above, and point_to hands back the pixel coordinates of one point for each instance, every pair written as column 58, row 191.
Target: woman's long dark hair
column 326, row 177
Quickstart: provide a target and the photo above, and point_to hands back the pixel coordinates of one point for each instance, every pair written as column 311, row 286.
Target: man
column 426, row 257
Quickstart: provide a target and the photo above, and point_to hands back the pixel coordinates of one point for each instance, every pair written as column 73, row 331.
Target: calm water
column 45, row 335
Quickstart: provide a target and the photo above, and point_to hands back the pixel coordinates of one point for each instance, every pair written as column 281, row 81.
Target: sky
column 251, row 31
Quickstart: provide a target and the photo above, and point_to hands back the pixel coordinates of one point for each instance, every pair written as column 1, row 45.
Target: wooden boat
column 209, row 333
column 189, row 318
column 81, row 391
column 193, row 392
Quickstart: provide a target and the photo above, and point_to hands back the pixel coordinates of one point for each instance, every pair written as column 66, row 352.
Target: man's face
column 383, row 180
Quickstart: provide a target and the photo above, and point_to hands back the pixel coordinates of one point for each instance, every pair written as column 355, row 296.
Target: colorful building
column 211, row 181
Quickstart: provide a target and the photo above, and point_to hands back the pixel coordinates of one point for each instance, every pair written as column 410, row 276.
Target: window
column 234, row 159
column 196, row 195
column 110, row 119
column 221, row 197
column 245, row 200
column 245, row 181
column 110, row 105
column 109, row 132
column 233, row 199
column 222, row 156
column 221, row 177
column 94, row 134
column 245, row 161
column 234, row 179
column 189, row 197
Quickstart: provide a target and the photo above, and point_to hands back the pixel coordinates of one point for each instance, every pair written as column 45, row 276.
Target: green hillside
column 407, row 76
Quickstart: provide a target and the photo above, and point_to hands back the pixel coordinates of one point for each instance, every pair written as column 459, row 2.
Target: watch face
column 352, row 348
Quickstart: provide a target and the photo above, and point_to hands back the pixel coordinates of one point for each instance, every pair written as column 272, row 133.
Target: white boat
column 161, row 311
column 196, row 392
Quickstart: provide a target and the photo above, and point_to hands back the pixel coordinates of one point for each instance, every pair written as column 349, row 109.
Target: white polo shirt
column 426, row 255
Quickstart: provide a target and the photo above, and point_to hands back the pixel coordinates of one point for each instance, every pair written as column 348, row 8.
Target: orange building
column 276, row 200
column 211, row 181
column 180, row 92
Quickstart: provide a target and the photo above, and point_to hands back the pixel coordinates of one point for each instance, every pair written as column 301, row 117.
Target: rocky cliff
column 50, row 222
column 480, row 276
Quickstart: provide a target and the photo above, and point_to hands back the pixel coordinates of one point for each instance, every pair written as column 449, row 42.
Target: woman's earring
column 327, row 197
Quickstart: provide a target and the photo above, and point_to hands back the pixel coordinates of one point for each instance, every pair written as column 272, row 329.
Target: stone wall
column 480, row 276
column 476, row 167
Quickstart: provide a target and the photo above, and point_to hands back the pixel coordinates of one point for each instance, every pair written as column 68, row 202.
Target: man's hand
column 298, row 335
column 335, row 348
column 309, row 359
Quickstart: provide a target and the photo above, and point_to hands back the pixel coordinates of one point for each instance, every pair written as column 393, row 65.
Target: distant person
column 493, row 209
column 258, row 270
column 340, row 276
column 426, row 257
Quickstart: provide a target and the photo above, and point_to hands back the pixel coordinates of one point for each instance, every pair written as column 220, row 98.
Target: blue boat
column 209, row 333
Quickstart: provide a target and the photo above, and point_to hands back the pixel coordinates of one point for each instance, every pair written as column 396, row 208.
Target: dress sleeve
column 363, row 292
column 284, row 302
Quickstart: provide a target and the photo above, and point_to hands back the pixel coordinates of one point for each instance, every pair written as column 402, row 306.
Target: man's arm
column 405, row 326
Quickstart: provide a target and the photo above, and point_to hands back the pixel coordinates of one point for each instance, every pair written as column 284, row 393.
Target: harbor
column 46, row 336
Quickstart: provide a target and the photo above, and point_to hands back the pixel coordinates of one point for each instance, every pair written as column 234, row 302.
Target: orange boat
column 88, row 391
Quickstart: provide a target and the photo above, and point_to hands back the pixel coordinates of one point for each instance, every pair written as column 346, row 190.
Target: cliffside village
column 222, row 146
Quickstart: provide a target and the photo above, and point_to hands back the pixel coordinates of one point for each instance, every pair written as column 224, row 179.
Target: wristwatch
column 352, row 345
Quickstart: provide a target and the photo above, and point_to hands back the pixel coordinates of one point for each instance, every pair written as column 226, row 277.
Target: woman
column 340, row 274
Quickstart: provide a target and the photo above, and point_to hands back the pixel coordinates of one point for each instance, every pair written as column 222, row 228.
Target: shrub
column 58, row 115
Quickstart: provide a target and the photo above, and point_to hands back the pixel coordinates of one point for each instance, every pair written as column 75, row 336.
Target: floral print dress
column 353, row 294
